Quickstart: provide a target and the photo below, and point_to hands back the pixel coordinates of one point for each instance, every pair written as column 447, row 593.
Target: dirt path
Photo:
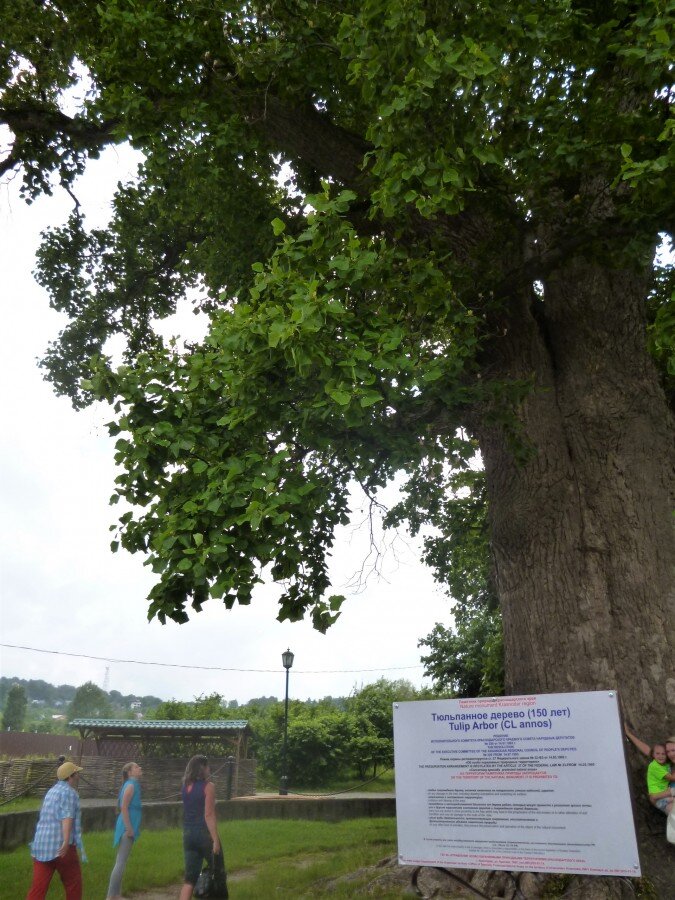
column 169, row 893
column 386, row 876
column 172, row 891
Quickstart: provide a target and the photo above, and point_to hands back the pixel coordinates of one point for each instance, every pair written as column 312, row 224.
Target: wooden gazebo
column 164, row 746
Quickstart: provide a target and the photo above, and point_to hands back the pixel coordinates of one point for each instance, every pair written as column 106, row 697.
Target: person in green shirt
column 659, row 779
column 660, row 776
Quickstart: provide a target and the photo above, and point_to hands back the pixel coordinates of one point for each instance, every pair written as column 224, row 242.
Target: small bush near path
column 280, row 858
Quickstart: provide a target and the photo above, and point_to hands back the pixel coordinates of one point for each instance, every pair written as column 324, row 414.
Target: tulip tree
column 420, row 229
column 14, row 714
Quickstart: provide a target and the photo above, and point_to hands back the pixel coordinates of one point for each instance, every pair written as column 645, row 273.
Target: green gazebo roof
column 145, row 727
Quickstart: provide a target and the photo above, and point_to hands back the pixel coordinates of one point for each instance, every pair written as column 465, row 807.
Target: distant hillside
column 48, row 703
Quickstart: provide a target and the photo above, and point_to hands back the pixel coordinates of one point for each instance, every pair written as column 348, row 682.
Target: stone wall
column 17, row 829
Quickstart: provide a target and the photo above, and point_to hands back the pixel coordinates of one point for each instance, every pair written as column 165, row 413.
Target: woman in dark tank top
column 200, row 831
column 194, row 803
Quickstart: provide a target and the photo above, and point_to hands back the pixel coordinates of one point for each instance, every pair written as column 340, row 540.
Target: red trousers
column 67, row 866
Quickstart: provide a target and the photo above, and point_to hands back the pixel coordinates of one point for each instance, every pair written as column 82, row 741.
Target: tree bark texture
column 583, row 533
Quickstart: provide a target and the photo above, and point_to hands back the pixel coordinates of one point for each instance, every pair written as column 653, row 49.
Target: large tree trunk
column 583, row 534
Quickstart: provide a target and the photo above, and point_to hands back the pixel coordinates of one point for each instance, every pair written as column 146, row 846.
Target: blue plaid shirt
column 61, row 802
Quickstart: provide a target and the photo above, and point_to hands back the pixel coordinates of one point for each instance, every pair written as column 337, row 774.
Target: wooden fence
column 102, row 777
column 17, row 744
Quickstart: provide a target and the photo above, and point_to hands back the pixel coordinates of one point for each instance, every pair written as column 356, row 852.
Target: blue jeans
column 197, row 847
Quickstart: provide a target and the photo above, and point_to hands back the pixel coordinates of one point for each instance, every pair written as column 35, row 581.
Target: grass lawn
column 22, row 804
column 280, row 858
column 383, row 784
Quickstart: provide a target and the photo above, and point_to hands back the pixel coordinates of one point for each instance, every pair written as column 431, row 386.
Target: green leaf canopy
column 368, row 199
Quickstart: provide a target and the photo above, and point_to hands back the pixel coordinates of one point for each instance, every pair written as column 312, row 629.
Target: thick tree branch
column 299, row 132
column 8, row 163
column 47, row 125
column 43, row 121
column 303, row 133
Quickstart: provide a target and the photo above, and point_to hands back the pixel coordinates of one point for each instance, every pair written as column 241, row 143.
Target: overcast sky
column 62, row 590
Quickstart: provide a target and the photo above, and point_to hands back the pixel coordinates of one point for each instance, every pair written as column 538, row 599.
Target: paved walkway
column 254, row 798
column 357, row 795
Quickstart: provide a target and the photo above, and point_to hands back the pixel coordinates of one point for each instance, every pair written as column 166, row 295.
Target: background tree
column 15, row 709
column 332, row 740
column 317, row 745
column 371, row 745
column 173, row 710
column 37, row 690
column 463, row 257
column 467, row 660
column 47, row 703
column 204, row 707
column 90, row 702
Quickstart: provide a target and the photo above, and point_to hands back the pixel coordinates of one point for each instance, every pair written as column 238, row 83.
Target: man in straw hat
column 58, row 836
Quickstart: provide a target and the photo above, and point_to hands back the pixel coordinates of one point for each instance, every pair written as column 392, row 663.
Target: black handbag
column 212, row 881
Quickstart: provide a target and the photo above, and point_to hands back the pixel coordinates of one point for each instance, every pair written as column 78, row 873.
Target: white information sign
column 535, row 784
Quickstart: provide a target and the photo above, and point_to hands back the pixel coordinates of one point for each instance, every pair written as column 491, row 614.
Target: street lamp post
column 287, row 660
